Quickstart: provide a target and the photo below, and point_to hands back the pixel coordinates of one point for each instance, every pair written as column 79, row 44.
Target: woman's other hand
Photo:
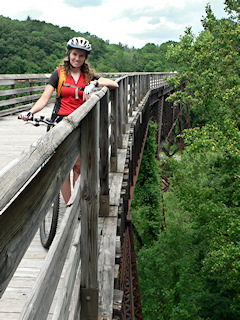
column 25, row 115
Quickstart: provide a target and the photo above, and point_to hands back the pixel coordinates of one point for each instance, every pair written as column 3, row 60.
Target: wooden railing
column 18, row 92
column 26, row 194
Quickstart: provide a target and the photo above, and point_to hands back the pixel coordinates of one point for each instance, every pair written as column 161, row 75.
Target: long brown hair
column 85, row 68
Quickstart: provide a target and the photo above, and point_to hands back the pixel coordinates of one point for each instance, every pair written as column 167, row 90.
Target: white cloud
column 134, row 22
column 83, row 3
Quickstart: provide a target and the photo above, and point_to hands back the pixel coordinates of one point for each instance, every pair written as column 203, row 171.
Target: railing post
column 114, row 130
column 131, row 104
column 31, row 92
column 138, row 89
column 89, row 194
column 125, row 103
column 120, row 113
column 104, row 156
column 13, row 95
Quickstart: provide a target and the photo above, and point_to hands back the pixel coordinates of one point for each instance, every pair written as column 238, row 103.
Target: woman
column 77, row 83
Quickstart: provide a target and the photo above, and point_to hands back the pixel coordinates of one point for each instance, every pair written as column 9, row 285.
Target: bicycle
column 48, row 227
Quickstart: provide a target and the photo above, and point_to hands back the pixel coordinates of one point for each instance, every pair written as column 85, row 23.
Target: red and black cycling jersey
column 71, row 97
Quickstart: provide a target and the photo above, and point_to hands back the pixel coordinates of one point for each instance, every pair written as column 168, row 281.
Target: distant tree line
column 33, row 46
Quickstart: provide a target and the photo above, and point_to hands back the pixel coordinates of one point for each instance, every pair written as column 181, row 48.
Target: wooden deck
column 15, row 137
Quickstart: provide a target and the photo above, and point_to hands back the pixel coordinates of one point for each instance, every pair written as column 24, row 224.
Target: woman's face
column 77, row 57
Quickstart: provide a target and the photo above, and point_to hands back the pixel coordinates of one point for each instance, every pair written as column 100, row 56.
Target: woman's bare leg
column 66, row 190
column 76, row 170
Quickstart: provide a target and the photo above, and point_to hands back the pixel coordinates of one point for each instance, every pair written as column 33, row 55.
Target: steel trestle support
column 132, row 307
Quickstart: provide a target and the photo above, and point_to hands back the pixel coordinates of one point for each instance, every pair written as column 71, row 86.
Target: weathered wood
column 120, row 114
column 117, row 303
column 115, row 183
column 21, row 215
column 104, row 156
column 22, row 90
column 20, row 221
column 8, row 79
column 106, row 264
column 10, row 220
column 63, row 304
column 16, row 136
column 89, row 214
column 13, row 177
column 114, row 130
column 39, row 302
column 18, row 109
column 125, row 105
column 19, row 100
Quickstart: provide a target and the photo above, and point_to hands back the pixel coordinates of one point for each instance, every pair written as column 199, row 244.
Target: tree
column 210, row 66
column 147, row 204
column 36, row 41
column 194, row 263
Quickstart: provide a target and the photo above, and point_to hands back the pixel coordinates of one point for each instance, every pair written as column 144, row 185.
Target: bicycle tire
column 48, row 227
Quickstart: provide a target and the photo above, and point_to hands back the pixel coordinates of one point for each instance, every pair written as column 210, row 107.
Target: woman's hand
column 26, row 115
column 87, row 91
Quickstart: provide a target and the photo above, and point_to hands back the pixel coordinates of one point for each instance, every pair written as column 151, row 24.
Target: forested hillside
column 33, row 46
column 189, row 243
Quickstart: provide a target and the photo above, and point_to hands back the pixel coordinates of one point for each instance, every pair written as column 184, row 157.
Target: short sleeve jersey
column 70, row 98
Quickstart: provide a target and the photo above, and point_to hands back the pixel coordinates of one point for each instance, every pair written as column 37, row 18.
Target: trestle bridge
column 90, row 270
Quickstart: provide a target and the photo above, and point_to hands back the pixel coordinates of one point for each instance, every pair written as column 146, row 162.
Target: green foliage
column 233, row 8
column 33, row 46
column 146, row 204
column 194, row 264
column 192, row 270
column 210, row 66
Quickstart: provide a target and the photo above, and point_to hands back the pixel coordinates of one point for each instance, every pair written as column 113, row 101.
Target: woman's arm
column 40, row 104
column 102, row 82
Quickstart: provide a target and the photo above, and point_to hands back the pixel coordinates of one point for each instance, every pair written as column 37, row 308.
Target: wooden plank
column 21, row 284
column 64, row 299
column 115, row 181
column 89, row 213
column 117, row 302
column 9, row 79
column 16, row 136
column 106, row 263
column 114, row 130
column 17, row 230
column 21, row 280
column 120, row 114
column 104, row 156
column 21, row 90
column 40, row 300
column 9, row 102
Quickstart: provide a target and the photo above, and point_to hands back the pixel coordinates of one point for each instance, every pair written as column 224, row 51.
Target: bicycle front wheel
column 48, row 227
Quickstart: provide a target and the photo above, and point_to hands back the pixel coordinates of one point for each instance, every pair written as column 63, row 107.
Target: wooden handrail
column 27, row 188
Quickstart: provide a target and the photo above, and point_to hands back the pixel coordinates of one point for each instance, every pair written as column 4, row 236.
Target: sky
column 131, row 22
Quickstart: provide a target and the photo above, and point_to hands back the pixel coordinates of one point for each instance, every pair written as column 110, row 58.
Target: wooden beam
column 21, row 220
column 89, row 214
column 104, row 156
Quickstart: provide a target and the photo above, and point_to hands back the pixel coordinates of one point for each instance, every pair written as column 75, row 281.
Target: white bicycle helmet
column 79, row 43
